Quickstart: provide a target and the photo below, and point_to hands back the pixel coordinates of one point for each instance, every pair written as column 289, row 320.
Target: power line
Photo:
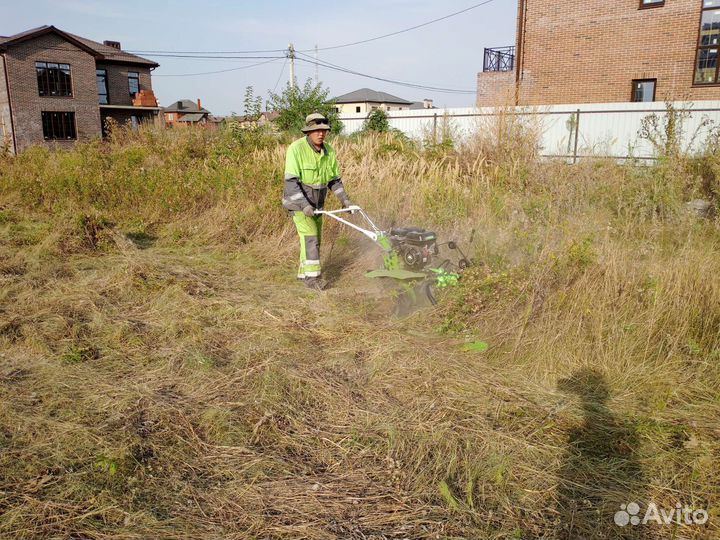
column 282, row 70
column 205, row 52
column 167, row 53
column 269, row 59
column 199, row 56
column 214, row 61
column 401, row 31
column 214, row 72
column 208, row 57
column 231, row 55
column 335, row 67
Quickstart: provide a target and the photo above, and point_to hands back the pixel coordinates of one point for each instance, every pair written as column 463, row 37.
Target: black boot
column 315, row 283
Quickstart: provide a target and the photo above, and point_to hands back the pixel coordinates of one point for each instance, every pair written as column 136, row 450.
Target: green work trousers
column 309, row 230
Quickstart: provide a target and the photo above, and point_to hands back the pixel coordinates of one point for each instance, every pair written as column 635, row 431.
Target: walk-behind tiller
column 408, row 253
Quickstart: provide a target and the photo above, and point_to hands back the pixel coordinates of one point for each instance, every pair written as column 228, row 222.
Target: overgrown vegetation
column 294, row 103
column 376, row 122
column 163, row 374
column 252, row 104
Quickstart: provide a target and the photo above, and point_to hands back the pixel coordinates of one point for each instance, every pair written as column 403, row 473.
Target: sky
column 446, row 54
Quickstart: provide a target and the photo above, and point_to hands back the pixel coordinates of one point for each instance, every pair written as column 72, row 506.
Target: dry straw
column 162, row 374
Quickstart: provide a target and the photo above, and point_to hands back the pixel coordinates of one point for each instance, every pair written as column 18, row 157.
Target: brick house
column 186, row 112
column 595, row 51
column 56, row 88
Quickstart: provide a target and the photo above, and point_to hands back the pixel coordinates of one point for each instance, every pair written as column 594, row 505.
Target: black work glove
column 309, row 211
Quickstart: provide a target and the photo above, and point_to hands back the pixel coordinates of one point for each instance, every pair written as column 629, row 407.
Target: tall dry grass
column 163, row 376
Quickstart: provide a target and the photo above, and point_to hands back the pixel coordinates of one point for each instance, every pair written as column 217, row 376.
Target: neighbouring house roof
column 98, row 50
column 185, row 106
column 368, row 95
column 268, row 116
column 192, row 117
column 271, row 116
column 416, row 105
column 244, row 118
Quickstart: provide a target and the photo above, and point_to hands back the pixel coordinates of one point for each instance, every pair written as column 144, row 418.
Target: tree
column 295, row 103
column 252, row 104
column 376, row 121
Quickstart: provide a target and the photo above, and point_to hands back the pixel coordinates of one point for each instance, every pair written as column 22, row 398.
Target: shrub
column 377, row 122
column 294, row 103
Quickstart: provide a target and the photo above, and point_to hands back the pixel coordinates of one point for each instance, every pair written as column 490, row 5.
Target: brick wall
column 495, row 88
column 587, row 52
column 5, row 123
column 27, row 105
column 117, row 81
column 124, row 116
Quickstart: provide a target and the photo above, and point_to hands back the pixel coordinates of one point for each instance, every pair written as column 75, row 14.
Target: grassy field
column 162, row 373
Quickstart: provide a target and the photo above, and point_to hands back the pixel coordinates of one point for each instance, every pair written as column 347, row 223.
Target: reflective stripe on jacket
column 308, row 175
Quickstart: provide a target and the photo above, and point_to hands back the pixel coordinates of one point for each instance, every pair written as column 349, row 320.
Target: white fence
column 570, row 131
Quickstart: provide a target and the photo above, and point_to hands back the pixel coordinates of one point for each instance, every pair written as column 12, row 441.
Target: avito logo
column 629, row 514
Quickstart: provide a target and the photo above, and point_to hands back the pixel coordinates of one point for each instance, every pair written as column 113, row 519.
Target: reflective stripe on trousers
column 309, row 230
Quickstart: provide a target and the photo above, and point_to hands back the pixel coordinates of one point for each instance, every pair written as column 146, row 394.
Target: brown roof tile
column 102, row 52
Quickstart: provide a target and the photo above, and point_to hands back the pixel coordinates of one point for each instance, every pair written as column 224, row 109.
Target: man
column 311, row 168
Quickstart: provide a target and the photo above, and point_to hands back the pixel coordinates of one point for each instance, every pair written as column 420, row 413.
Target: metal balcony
column 499, row 59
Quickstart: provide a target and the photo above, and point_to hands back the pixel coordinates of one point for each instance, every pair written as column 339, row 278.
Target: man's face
column 317, row 137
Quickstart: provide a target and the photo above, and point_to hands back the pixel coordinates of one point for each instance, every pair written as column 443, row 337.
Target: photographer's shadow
column 600, row 471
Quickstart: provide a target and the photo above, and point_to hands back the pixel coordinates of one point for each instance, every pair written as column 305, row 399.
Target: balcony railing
column 499, row 59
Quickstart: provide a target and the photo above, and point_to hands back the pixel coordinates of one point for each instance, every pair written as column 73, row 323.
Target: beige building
column 366, row 100
column 598, row 51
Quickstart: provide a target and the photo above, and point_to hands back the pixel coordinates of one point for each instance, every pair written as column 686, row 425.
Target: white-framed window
column 706, row 61
column 643, row 89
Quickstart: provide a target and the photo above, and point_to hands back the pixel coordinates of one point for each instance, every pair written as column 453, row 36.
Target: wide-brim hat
column 314, row 122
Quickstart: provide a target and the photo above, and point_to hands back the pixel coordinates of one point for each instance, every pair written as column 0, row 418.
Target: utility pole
column 317, row 76
column 291, row 56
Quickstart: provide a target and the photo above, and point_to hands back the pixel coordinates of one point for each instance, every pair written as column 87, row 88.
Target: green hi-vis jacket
column 308, row 175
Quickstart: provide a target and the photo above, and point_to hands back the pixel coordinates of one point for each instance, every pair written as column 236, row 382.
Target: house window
column 706, row 61
column 58, row 125
column 651, row 3
column 53, row 79
column 643, row 90
column 133, row 83
column 357, row 109
column 101, row 76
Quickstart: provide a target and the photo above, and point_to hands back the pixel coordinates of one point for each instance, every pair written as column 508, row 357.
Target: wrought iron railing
column 499, row 59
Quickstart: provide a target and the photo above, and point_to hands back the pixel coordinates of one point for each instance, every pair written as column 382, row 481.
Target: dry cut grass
column 162, row 374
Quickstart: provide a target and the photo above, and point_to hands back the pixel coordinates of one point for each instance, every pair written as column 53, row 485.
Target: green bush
column 294, row 103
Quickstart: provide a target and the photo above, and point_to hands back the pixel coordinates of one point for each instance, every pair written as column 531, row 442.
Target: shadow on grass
column 600, row 471
column 141, row 239
column 337, row 260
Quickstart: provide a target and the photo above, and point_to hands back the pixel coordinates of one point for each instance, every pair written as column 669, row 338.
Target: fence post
column 435, row 128
column 577, row 133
